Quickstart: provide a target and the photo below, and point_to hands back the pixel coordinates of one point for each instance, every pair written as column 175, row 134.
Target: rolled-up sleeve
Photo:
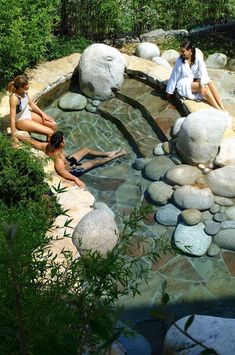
column 171, row 85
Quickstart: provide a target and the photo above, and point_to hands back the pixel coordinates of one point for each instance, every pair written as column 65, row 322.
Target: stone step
column 160, row 114
column 133, row 125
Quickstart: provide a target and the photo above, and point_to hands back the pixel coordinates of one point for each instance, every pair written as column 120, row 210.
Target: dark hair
column 188, row 45
column 56, row 139
column 19, row 82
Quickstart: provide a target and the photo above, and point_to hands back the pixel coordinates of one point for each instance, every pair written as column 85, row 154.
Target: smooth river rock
column 168, row 215
column 221, row 181
column 230, row 212
column 157, row 167
column 225, row 239
column 213, row 332
column 200, row 135
column 194, row 196
column 96, row 231
column 159, row 192
column 192, row 239
column 72, row 101
column 183, row 175
column 191, row 216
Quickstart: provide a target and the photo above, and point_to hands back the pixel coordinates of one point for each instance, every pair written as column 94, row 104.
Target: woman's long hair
column 188, row 45
column 19, row 82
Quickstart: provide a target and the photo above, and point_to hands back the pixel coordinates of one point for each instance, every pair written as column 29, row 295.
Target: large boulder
column 101, row 70
column 96, row 231
column 216, row 61
column 147, row 50
column 226, row 154
column 200, row 135
column 212, row 332
column 221, row 181
column 170, row 55
column 162, row 61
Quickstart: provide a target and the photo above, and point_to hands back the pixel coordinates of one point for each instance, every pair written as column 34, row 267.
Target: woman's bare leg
column 87, row 151
column 208, row 94
column 33, row 126
column 216, row 95
column 96, row 162
column 37, row 118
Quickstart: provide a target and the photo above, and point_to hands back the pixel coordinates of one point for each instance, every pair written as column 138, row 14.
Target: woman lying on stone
column 34, row 120
column 191, row 79
column 71, row 168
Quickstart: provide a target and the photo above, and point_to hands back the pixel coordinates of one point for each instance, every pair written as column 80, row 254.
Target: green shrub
column 25, row 30
column 21, row 174
column 63, row 46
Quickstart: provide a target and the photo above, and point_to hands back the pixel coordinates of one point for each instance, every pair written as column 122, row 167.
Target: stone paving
column 202, row 285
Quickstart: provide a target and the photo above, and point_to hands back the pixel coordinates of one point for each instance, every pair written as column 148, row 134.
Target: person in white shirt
column 189, row 76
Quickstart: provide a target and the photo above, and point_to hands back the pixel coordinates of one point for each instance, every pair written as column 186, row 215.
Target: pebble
column 168, row 215
column 213, row 250
column 176, row 159
column 91, row 108
column 158, row 150
column 230, row 212
column 215, row 208
column 212, row 228
column 166, row 146
column 228, row 225
column 219, row 217
column 223, row 201
column 139, row 163
column 191, row 216
column 222, row 209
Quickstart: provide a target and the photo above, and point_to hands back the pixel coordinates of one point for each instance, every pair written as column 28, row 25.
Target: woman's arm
column 13, row 101
column 171, row 85
column 37, row 110
column 61, row 170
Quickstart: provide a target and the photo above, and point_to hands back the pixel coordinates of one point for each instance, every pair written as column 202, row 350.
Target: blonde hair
column 19, row 82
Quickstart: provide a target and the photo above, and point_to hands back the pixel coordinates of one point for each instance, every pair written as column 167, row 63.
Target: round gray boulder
column 159, row 192
column 216, row 61
column 168, row 215
column 170, row 55
column 96, row 231
column 192, row 239
column 147, row 50
column 213, row 332
column 196, row 197
column 221, row 181
column 183, row 175
column 162, row 61
column 191, row 216
column 225, row 239
column 200, row 135
column 157, row 167
column 72, row 101
column 101, row 69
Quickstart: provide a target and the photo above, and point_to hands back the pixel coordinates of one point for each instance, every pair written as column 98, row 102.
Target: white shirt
column 183, row 75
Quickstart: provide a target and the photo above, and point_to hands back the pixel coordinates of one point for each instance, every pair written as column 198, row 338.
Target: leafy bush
column 21, row 174
column 25, row 30
column 63, row 46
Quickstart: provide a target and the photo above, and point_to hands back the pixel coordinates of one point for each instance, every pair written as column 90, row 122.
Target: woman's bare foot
column 113, row 152
column 121, row 152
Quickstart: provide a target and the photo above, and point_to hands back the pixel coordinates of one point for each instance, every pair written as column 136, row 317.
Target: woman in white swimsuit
column 191, row 79
column 34, row 120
